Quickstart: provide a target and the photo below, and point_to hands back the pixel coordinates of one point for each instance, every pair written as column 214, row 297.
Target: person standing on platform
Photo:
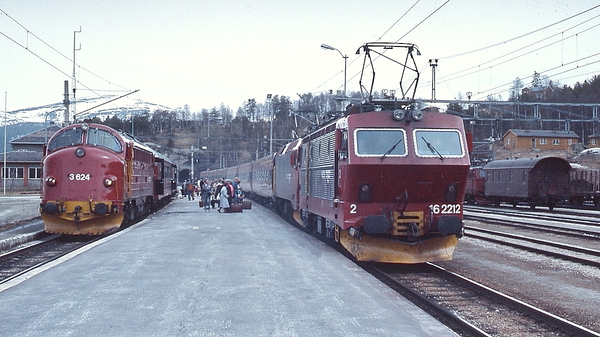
column 224, row 199
column 205, row 194
column 237, row 190
column 230, row 191
column 191, row 191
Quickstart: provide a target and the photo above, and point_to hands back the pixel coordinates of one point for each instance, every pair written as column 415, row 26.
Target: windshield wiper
column 432, row 149
column 391, row 149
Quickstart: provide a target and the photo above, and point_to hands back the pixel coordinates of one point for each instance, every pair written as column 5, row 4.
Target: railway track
column 583, row 218
column 506, row 233
column 37, row 253
column 584, row 256
column 470, row 308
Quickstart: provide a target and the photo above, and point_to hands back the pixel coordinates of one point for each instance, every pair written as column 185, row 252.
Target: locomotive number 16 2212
column 446, row 208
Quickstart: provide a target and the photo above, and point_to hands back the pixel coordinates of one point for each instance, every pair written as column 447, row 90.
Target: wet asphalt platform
column 187, row 272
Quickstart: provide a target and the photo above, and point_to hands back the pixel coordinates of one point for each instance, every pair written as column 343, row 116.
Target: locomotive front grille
column 408, row 224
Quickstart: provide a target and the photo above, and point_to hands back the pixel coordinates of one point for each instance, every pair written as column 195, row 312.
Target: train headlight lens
column 85, row 126
column 451, row 193
column 416, row 114
column 51, row 181
column 80, row 152
column 364, row 193
column 109, row 182
column 399, row 114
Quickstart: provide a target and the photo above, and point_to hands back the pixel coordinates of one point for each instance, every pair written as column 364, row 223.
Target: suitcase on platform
column 200, row 203
column 235, row 208
column 246, row 204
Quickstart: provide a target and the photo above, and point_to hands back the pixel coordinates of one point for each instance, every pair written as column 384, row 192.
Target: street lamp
column 270, row 107
column 328, row 47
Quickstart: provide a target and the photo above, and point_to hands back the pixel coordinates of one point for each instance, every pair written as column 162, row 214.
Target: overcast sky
column 204, row 53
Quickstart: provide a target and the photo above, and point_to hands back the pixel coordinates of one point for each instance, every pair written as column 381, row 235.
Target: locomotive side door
column 341, row 154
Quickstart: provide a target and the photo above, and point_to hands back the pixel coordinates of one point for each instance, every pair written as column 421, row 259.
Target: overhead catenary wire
column 476, row 69
column 26, row 47
column 522, row 35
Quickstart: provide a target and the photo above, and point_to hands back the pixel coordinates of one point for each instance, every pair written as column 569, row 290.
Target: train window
column 379, row 142
column 104, row 138
column 68, row 137
column 438, row 143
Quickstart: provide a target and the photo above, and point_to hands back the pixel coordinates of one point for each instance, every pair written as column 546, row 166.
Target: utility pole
column 74, row 79
column 66, row 103
column 192, row 166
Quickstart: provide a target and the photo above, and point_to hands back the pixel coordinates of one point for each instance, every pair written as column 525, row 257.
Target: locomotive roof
column 528, row 163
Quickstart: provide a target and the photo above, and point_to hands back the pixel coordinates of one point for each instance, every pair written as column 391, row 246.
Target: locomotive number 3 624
column 79, row 176
column 446, row 208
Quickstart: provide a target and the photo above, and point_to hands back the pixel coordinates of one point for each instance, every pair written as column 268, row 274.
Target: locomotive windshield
column 103, row 138
column 380, row 142
column 68, row 137
column 438, row 143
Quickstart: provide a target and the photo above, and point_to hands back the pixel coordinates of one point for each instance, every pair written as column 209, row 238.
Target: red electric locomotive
column 95, row 178
column 387, row 185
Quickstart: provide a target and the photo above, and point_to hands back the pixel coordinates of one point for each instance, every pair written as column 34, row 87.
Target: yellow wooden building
column 539, row 139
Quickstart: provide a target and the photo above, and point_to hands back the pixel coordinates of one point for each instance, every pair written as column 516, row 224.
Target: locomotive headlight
column 51, row 181
column 451, row 193
column 416, row 114
column 399, row 114
column 85, row 126
column 110, row 181
column 364, row 193
column 80, row 152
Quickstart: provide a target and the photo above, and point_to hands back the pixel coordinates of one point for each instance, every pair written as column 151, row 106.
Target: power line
column 520, row 36
column 400, row 18
column 478, row 68
column 55, row 50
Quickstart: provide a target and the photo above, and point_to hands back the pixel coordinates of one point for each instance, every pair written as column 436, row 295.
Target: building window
column 570, row 141
column 555, row 141
column 593, row 142
column 543, row 141
column 13, row 173
column 35, row 173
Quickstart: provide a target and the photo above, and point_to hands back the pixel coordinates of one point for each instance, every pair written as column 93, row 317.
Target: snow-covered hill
column 24, row 121
column 84, row 108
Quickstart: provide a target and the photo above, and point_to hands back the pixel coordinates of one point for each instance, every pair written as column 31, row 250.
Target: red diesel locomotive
column 96, row 178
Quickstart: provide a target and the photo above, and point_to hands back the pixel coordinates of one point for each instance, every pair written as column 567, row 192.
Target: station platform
column 188, row 272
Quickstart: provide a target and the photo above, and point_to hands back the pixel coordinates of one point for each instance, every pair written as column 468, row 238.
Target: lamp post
column 328, row 47
column 270, row 107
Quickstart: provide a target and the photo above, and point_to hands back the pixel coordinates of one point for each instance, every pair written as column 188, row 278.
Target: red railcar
column 584, row 186
column 475, row 191
column 95, row 178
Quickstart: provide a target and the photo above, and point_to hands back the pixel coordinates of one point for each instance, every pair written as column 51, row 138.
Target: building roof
column 528, row 163
column 22, row 157
column 542, row 133
column 38, row 137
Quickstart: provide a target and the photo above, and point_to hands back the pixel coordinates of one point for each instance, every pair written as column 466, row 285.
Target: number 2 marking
column 352, row 208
